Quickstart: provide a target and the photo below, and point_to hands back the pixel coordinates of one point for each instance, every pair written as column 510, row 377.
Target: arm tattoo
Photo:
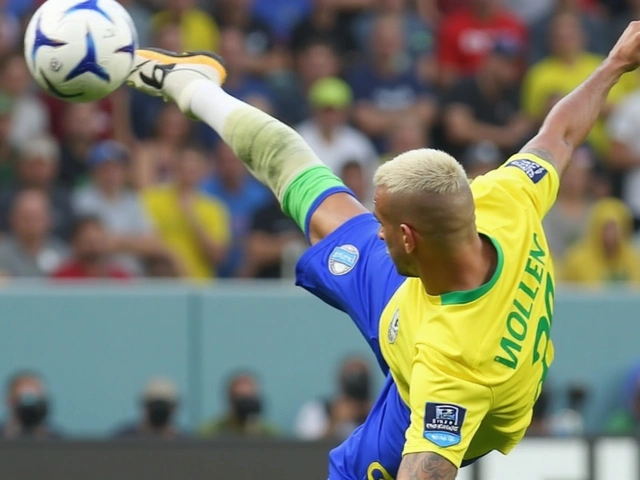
column 426, row 466
column 540, row 152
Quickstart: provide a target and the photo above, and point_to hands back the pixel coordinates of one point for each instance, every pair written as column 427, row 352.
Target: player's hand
column 626, row 51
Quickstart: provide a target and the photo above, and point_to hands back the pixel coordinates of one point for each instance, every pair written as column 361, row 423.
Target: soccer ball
column 80, row 50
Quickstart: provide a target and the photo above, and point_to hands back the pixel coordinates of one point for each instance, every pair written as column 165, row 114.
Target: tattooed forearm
column 426, row 466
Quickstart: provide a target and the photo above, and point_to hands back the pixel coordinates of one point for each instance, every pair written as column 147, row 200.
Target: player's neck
column 465, row 268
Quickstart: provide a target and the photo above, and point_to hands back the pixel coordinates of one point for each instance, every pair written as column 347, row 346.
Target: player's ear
column 408, row 238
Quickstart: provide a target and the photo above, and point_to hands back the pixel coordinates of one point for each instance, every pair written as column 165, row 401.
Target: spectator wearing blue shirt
column 243, row 196
column 317, row 59
column 282, row 15
column 386, row 88
column 418, row 36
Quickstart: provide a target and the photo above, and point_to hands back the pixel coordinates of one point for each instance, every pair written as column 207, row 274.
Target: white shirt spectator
column 347, row 145
column 121, row 216
column 624, row 127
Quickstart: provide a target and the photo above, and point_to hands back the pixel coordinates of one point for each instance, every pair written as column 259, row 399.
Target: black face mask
column 245, row 407
column 31, row 411
column 159, row 413
column 356, row 385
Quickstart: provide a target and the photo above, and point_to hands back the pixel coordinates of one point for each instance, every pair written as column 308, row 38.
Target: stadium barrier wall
column 533, row 459
column 97, row 345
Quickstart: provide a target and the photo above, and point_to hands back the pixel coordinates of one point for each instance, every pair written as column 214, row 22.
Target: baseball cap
column 41, row 148
column 6, row 104
column 108, row 151
column 330, row 92
column 160, row 389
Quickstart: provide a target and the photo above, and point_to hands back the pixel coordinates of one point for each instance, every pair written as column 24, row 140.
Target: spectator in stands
column 404, row 135
column 354, row 176
column 245, row 409
column 383, row 90
column 596, row 37
column 120, row 210
column 240, row 82
column 274, row 243
column 30, row 117
column 242, row 196
column 540, row 419
column 323, row 23
column 10, row 33
column 282, row 15
column 37, row 169
column 30, row 250
column 486, row 106
column 145, row 110
column 567, row 220
column 567, row 66
column 91, row 257
column 141, row 17
column 481, row 158
column 81, row 128
column 336, row 418
column 199, row 30
column 621, row 19
column 605, row 254
column 327, row 131
column 418, row 35
column 155, row 159
column 159, row 404
column 467, row 36
column 259, row 40
column 624, row 157
column 28, row 408
column 8, row 153
column 626, row 420
column 194, row 227
column 316, row 60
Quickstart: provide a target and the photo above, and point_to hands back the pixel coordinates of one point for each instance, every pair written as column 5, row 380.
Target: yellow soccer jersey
column 471, row 364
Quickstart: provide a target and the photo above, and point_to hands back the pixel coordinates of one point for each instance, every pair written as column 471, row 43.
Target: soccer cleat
column 167, row 74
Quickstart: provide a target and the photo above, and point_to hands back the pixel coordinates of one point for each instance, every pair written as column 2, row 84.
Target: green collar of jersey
column 468, row 296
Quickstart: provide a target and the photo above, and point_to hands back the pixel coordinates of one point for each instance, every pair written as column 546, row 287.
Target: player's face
column 398, row 237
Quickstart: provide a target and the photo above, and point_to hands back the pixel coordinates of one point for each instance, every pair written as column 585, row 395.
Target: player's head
column 425, row 207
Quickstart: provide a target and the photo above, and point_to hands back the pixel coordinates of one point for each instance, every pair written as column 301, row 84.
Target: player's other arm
column 571, row 119
column 426, row 466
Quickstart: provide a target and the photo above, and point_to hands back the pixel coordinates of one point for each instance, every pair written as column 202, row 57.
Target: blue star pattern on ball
column 89, row 63
column 130, row 49
column 89, row 5
column 42, row 40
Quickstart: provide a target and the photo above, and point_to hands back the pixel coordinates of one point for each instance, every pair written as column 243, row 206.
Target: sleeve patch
column 534, row 171
column 443, row 423
column 343, row 259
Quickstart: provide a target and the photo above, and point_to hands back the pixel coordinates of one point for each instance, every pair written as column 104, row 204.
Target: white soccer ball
column 80, row 50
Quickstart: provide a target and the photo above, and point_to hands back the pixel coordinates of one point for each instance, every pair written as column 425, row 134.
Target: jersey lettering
column 517, row 322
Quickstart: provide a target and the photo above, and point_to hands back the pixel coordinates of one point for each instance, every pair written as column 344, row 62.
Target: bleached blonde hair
column 424, row 170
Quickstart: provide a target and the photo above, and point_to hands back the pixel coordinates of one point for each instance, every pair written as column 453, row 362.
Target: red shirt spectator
column 91, row 254
column 468, row 35
column 75, row 270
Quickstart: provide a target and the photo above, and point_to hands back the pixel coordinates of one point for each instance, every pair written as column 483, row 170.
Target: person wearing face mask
column 28, row 407
column 244, row 417
column 159, row 404
column 338, row 417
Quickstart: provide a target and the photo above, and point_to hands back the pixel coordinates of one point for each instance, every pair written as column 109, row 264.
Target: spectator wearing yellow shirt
column 568, row 65
column 199, row 29
column 192, row 225
column 606, row 253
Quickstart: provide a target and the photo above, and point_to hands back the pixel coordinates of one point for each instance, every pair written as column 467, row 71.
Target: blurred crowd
column 28, row 406
column 129, row 187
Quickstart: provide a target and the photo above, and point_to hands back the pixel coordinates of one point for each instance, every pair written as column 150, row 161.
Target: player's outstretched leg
column 273, row 152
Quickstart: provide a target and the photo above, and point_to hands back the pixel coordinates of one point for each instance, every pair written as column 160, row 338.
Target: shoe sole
column 199, row 58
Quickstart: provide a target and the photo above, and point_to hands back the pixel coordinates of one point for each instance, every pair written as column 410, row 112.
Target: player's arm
column 426, row 466
column 571, row 119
